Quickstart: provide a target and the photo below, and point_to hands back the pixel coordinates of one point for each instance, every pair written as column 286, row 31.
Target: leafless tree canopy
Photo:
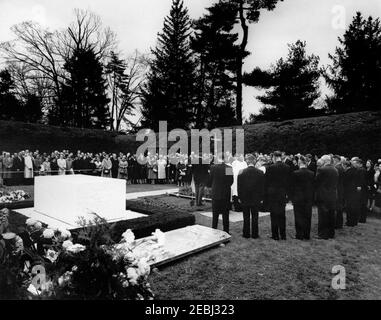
column 87, row 32
column 36, row 56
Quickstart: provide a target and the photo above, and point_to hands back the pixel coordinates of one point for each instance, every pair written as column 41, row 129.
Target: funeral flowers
column 46, row 262
column 13, row 196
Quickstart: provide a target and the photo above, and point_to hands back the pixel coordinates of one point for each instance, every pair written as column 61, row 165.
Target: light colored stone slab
column 65, row 198
column 238, row 216
column 61, row 223
column 135, row 195
column 233, row 216
column 183, row 242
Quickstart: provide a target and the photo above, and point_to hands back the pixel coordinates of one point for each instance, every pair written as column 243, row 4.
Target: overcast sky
column 137, row 23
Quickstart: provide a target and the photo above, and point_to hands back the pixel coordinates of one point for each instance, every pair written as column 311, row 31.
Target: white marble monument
column 60, row 200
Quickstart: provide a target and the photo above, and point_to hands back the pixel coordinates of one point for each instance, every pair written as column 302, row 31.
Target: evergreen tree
column 32, row 109
column 248, row 11
column 216, row 52
column 355, row 72
column 169, row 91
column 293, row 85
column 84, row 94
column 115, row 70
column 10, row 106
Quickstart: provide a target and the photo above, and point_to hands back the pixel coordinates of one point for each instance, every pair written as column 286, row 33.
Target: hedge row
column 352, row 134
column 16, row 136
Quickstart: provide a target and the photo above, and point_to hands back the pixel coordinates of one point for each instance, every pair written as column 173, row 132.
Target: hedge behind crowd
column 352, row 134
column 16, row 136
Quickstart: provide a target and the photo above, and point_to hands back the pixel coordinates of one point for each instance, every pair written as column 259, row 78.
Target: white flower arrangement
column 13, row 196
column 129, row 257
column 33, row 225
column 128, row 236
column 52, row 255
column 76, row 248
column 67, row 244
column 64, row 233
column 48, row 233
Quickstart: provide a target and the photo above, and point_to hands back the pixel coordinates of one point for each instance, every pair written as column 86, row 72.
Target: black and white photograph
column 215, row 151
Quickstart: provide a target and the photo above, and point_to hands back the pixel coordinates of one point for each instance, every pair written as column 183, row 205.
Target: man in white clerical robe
column 238, row 165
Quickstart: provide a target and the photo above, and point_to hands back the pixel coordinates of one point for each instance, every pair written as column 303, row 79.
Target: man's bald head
column 326, row 160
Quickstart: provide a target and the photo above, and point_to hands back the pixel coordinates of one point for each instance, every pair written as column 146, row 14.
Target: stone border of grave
column 156, row 218
column 184, row 196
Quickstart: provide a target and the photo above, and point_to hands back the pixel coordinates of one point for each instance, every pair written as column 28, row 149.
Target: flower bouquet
column 13, row 196
column 46, row 263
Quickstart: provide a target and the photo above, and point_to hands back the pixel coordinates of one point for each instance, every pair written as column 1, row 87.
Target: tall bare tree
column 37, row 55
column 34, row 58
column 87, row 32
column 125, row 78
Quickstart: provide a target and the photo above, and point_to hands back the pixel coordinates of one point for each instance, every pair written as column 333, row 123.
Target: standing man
column 200, row 177
column 311, row 163
column 251, row 189
column 238, row 165
column 19, row 167
column 302, row 195
column 327, row 178
column 354, row 184
column 364, row 190
column 339, row 219
column 115, row 166
column 277, row 181
column 221, row 179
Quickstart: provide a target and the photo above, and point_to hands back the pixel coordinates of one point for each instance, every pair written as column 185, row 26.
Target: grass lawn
column 267, row 269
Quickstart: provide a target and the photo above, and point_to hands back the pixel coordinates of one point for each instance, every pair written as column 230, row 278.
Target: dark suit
column 302, row 195
column 277, row 184
column 327, row 178
column 364, row 194
column 200, row 176
column 339, row 219
column 312, row 166
column 251, row 189
column 353, row 179
column 114, row 168
column 19, row 166
column 221, row 179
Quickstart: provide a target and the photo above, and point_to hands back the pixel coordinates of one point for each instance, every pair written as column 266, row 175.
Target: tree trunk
column 241, row 54
column 239, row 91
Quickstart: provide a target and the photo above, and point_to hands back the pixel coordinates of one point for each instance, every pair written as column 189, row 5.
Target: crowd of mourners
column 334, row 182
column 150, row 169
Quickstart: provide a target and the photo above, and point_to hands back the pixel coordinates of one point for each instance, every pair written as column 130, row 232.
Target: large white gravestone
column 60, row 200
